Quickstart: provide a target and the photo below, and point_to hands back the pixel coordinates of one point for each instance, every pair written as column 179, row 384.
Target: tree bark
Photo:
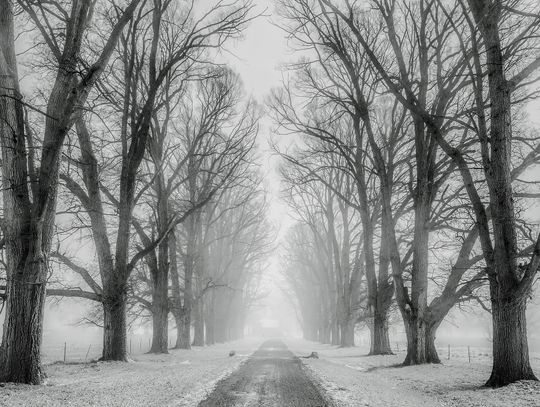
column 508, row 291
column 183, row 330
column 420, row 341
column 160, row 313
column 27, row 241
column 335, row 340
column 210, row 321
column 198, row 323
column 431, row 350
column 510, row 347
column 347, row 334
column 380, row 340
column 115, row 327
column 324, row 333
column 23, row 327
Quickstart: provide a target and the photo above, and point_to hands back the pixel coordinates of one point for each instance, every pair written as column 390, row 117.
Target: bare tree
column 30, row 187
column 480, row 68
column 133, row 95
column 335, row 235
column 237, row 241
column 218, row 130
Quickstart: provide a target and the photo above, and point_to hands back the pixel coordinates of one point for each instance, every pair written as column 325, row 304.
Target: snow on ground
column 353, row 379
column 181, row 379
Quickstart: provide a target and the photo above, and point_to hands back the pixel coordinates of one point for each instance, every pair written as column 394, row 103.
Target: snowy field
column 352, row 379
column 182, row 378
column 347, row 376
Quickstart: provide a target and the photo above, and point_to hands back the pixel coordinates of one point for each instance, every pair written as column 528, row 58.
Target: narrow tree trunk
column 160, row 314
column 416, row 319
column 380, row 340
column 510, row 346
column 210, row 320
column 335, row 332
column 181, row 316
column 114, row 328
column 210, row 333
column 431, row 350
column 324, row 333
column 198, row 323
column 347, row 334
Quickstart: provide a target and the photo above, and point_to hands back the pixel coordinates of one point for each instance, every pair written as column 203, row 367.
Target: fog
column 270, row 203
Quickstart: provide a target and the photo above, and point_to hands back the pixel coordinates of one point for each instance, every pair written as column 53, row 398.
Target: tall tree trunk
column 510, row 347
column 347, row 334
column 380, row 340
column 508, row 291
column 183, row 329
column 25, row 255
column 115, row 327
column 210, row 320
column 324, row 333
column 23, row 327
column 421, row 341
column 210, row 332
column 182, row 317
column 335, row 340
column 416, row 319
column 160, row 313
column 431, row 350
column 198, row 323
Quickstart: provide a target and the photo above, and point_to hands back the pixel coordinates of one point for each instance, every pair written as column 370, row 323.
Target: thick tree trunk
column 416, row 343
column 510, row 346
column 114, row 328
column 183, row 330
column 507, row 289
column 23, row 327
column 27, row 236
column 420, row 342
column 380, row 340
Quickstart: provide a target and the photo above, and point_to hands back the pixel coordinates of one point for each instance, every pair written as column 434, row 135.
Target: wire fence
column 71, row 351
column 459, row 352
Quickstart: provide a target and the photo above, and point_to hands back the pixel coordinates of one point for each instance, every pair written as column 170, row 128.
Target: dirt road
column 271, row 377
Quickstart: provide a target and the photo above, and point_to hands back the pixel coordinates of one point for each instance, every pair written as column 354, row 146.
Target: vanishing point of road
column 271, row 377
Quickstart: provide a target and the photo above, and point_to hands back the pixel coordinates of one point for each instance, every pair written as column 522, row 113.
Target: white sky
column 259, row 53
column 258, row 58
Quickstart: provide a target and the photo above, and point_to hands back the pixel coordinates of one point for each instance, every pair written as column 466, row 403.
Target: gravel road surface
column 271, row 377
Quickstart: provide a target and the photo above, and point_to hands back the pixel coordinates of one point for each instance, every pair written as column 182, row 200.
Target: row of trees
column 150, row 148
column 411, row 170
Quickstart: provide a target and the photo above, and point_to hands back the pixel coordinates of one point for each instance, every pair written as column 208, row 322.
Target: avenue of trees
column 410, row 174
column 128, row 158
